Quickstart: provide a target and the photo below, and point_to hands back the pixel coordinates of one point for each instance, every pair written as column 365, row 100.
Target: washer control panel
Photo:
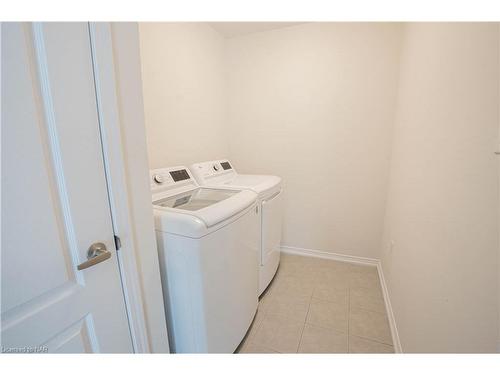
column 170, row 177
column 158, row 178
column 179, row 175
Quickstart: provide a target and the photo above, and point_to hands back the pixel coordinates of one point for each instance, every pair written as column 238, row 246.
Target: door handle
column 96, row 254
column 272, row 196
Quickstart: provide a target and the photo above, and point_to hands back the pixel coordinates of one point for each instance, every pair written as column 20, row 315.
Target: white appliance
column 220, row 173
column 209, row 253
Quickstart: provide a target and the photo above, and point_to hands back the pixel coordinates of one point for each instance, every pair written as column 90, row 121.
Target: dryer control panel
column 225, row 165
column 213, row 172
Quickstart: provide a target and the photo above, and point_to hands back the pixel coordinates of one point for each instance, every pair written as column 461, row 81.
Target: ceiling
column 231, row 29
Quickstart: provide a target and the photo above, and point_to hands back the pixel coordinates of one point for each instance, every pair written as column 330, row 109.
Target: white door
column 54, row 198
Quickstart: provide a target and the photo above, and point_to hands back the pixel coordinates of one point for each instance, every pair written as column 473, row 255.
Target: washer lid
column 182, row 207
column 222, row 173
column 261, row 184
column 200, row 211
column 195, row 200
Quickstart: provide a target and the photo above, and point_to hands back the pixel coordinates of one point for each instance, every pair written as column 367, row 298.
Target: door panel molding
column 79, row 337
column 53, row 144
column 23, row 311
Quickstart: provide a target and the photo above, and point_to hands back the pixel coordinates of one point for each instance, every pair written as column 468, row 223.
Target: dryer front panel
column 272, row 212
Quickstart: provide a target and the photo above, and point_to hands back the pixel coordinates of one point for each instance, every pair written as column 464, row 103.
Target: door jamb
column 107, row 102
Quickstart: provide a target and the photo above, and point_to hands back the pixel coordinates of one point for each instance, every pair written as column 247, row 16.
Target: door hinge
column 118, row 243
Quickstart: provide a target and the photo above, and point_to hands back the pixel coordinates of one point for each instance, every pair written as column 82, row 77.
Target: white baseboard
column 332, row 256
column 390, row 313
column 357, row 260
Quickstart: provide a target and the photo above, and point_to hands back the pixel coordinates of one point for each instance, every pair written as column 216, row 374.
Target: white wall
column 443, row 198
column 314, row 103
column 183, row 70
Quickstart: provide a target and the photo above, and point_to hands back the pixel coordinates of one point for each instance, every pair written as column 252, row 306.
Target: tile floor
column 320, row 306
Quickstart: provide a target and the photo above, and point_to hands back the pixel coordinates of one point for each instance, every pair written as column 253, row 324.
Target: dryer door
column 272, row 211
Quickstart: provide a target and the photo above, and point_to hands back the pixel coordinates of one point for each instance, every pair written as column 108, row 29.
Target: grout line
column 330, row 328
column 305, row 321
column 373, row 340
column 373, row 311
column 348, row 316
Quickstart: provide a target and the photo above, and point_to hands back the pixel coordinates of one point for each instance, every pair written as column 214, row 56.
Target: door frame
column 116, row 175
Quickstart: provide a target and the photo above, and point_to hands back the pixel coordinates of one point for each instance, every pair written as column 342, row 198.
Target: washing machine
column 208, row 245
column 220, row 173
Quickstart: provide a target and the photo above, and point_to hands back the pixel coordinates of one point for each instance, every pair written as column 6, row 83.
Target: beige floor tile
column 333, row 292
column 271, row 290
column 288, row 260
column 370, row 324
column 263, row 302
column 279, row 334
column 322, row 340
column 328, row 314
column 361, row 345
column 281, row 300
column 359, row 268
column 243, row 344
column 340, row 268
column 252, row 348
column 257, row 321
column 368, row 280
column 289, row 307
column 333, row 298
column 294, row 286
column 285, row 257
column 290, row 268
column 337, row 274
column 298, row 270
column 367, row 299
column 321, row 265
column 266, row 296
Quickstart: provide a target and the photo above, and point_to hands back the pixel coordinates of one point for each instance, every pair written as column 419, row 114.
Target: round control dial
column 216, row 167
column 158, row 178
